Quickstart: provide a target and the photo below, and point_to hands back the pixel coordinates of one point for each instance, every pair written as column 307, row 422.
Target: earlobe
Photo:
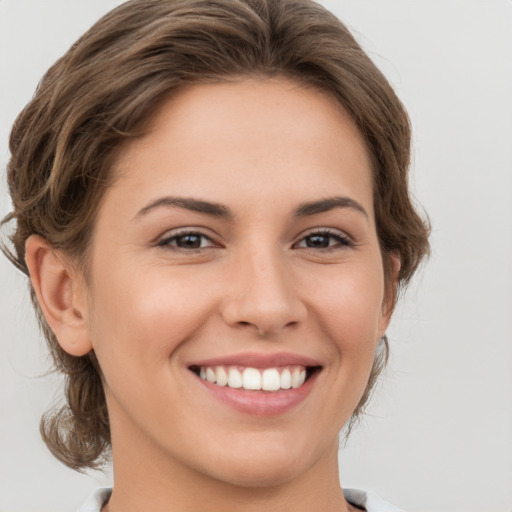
column 60, row 294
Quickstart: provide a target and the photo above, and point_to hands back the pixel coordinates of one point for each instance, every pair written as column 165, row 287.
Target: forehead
column 263, row 137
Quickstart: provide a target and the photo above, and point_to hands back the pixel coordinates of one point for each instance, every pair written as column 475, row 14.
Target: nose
column 262, row 294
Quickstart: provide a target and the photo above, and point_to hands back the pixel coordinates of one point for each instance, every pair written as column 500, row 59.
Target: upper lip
column 255, row 360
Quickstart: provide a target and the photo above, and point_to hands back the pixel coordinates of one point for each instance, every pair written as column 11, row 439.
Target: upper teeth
column 270, row 379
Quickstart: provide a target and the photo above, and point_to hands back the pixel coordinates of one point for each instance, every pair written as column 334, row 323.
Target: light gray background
column 439, row 433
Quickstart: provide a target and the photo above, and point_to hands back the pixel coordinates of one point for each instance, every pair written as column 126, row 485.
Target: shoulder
column 369, row 501
column 96, row 500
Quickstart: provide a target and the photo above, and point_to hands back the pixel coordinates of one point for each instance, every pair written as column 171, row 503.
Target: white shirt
column 366, row 500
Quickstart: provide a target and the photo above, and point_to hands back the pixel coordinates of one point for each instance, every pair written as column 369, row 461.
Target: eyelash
column 167, row 241
column 342, row 240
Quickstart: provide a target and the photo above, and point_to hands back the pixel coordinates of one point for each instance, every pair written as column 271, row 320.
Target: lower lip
column 260, row 403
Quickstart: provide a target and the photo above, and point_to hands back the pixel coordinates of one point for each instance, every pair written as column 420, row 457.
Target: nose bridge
column 262, row 294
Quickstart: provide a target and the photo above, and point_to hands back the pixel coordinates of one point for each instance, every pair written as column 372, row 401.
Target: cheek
column 349, row 309
column 144, row 316
column 349, row 303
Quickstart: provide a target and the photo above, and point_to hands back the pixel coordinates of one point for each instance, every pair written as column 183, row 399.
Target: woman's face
column 238, row 244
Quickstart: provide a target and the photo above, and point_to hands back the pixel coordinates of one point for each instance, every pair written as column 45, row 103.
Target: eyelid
column 346, row 239
column 163, row 240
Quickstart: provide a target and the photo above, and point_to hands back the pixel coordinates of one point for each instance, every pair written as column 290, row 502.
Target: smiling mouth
column 256, row 379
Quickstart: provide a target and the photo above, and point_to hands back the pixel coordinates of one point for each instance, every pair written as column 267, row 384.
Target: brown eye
column 324, row 240
column 187, row 240
column 321, row 241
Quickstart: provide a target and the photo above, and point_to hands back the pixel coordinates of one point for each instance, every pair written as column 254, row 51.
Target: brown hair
column 96, row 96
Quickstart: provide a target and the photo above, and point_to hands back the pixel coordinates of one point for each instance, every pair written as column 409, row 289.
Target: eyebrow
column 189, row 203
column 220, row 210
column 327, row 204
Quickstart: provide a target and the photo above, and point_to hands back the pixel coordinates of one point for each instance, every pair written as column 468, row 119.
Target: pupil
column 189, row 241
column 317, row 241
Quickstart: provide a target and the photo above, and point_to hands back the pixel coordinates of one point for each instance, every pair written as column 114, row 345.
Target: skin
column 150, row 308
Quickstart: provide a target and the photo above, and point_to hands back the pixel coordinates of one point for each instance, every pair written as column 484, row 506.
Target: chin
column 254, row 475
column 262, row 466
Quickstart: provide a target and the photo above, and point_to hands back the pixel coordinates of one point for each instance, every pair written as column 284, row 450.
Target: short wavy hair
column 100, row 93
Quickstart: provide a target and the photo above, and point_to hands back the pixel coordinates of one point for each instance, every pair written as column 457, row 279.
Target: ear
column 61, row 294
column 388, row 304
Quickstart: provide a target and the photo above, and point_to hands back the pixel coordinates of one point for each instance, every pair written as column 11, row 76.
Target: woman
column 211, row 202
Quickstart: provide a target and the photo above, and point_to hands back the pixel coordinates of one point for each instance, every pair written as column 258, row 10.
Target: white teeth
column 234, row 378
column 222, row 376
column 286, row 379
column 253, row 379
column 298, row 377
column 271, row 380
